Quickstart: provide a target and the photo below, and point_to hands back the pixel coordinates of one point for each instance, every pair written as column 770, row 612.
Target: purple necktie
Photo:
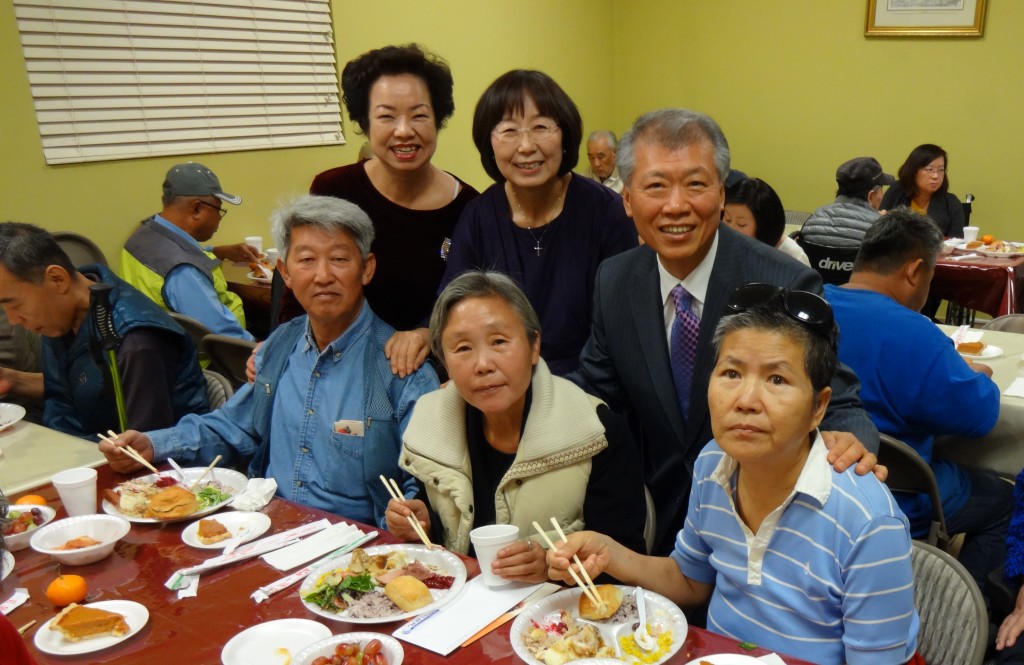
column 683, row 346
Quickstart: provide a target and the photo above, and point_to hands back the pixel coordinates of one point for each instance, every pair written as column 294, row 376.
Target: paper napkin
column 16, row 600
column 965, row 334
column 265, row 592
column 258, row 493
column 1015, row 389
column 772, row 659
column 329, row 539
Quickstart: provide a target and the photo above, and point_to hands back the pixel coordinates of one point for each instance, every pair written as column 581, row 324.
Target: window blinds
column 120, row 79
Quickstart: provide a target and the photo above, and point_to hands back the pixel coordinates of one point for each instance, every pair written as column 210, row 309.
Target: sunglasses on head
column 808, row 308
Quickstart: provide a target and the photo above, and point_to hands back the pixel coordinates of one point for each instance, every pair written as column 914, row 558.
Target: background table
column 987, row 284
column 194, row 630
column 255, row 297
column 1002, row 449
column 31, row 454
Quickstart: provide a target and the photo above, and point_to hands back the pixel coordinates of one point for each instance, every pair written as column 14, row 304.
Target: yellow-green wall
column 795, row 85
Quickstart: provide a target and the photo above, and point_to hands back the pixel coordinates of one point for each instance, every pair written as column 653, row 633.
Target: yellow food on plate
column 81, row 622
column 79, row 543
column 172, row 503
column 973, row 348
column 408, row 593
column 211, row 531
column 612, row 597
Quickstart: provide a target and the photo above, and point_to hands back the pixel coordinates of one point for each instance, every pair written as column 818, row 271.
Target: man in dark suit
column 673, row 163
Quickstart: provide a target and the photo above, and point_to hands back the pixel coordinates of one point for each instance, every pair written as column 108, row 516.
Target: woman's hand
column 119, row 461
column 396, row 518
column 407, row 350
column 1012, row 625
column 845, row 449
column 522, row 561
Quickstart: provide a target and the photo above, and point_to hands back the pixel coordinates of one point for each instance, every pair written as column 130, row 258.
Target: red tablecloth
column 987, row 284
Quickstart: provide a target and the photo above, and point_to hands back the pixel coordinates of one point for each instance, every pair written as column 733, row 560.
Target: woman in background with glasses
column 923, row 186
column 541, row 224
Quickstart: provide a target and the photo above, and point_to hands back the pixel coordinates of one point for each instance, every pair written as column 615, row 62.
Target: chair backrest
column 228, row 356
column 954, row 621
column 651, row 523
column 910, row 474
column 79, row 249
column 834, row 264
column 218, row 389
column 197, row 331
column 968, row 205
column 1007, row 323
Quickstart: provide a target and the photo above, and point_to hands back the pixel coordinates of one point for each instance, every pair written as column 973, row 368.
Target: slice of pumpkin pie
column 81, row 622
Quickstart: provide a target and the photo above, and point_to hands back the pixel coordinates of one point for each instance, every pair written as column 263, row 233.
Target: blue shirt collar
column 357, row 329
column 170, row 225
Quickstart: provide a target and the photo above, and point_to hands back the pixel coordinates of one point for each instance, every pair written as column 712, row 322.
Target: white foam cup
column 77, row 490
column 970, row 233
column 272, row 255
column 487, row 540
column 255, row 241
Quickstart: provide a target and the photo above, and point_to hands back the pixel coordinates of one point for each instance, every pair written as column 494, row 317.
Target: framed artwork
column 925, row 18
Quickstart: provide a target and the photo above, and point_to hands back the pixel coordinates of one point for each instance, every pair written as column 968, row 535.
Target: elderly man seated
column 793, row 555
column 325, row 414
column 844, row 222
column 602, row 147
column 157, row 364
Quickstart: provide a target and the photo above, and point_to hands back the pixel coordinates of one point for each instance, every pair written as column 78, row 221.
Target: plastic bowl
column 19, row 541
column 108, row 529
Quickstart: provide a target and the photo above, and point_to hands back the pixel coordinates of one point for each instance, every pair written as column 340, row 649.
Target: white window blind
column 120, row 79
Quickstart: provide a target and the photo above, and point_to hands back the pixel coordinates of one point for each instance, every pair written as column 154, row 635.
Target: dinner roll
column 408, row 593
column 612, row 597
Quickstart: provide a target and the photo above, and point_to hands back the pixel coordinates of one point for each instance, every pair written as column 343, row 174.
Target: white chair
column 954, row 621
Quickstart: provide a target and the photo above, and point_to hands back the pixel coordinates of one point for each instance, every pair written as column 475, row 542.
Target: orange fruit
column 31, row 500
column 988, row 238
column 67, row 589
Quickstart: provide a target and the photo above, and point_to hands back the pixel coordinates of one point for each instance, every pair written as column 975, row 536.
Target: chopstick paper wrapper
column 328, row 540
column 445, row 629
column 265, row 592
column 14, row 602
column 966, row 334
column 183, row 578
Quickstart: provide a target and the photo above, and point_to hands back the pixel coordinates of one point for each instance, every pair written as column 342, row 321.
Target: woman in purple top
column 541, row 224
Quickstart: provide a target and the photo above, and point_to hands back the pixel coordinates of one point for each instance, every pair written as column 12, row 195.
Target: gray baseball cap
column 194, row 179
column 861, row 174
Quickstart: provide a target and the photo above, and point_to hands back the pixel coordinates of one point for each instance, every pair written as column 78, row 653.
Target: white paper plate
column 273, row 642
column 727, row 659
column 990, row 351
column 8, row 565
column 53, row 642
column 249, row 526
column 446, row 563
column 259, row 279
column 659, row 609
column 233, row 480
column 10, row 414
column 390, row 647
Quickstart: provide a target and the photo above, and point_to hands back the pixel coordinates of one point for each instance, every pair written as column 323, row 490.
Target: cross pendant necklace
column 537, row 246
column 537, row 242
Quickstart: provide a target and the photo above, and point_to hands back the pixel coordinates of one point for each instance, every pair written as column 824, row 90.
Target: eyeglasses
column 512, row 134
column 221, row 211
column 934, row 171
column 808, row 308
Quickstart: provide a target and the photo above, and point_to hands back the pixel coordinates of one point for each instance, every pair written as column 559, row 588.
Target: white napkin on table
column 772, row 659
column 1015, row 389
column 258, row 493
column 328, row 540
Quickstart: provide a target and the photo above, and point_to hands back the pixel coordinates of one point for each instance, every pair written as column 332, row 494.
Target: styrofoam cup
column 255, row 241
column 970, row 233
column 272, row 255
column 77, row 490
column 487, row 540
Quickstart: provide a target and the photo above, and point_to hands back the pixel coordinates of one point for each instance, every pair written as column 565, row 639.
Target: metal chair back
column 80, row 249
column 954, row 620
column 910, row 474
column 228, row 356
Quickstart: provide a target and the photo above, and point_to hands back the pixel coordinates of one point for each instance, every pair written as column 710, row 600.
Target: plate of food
column 566, row 626
column 6, row 565
column 93, row 627
column 273, row 641
column 375, row 649
column 261, row 271
column 726, row 659
column 996, row 248
column 162, row 498
column 215, row 532
column 23, row 521
column 979, row 350
column 383, row 584
column 10, row 414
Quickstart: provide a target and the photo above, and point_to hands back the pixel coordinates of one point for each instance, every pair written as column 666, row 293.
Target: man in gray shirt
column 844, row 222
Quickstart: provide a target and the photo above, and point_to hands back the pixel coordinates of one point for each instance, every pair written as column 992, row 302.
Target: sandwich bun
column 172, row 503
column 612, row 597
column 408, row 593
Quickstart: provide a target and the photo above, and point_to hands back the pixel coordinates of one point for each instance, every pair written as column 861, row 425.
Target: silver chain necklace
column 537, row 246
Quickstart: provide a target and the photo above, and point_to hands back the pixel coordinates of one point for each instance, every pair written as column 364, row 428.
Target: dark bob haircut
column 360, row 74
column 507, row 96
column 920, row 157
column 27, row 250
column 765, row 205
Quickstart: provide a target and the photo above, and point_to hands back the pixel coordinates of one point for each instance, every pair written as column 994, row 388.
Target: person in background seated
column 923, row 186
column 165, row 259
column 20, row 357
column 159, row 370
column 793, row 555
column 916, row 386
column 602, row 147
column 844, row 222
column 754, row 209
column 506, row 442
column 325, row 415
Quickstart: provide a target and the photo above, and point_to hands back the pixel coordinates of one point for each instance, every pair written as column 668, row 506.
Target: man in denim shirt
column 325, row 415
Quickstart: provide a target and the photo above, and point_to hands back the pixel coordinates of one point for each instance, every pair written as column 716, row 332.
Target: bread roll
column 612, row 597
column 408, row 593
column 172, row 503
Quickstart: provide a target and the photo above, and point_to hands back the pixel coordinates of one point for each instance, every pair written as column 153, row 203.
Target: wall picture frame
column 925, row 18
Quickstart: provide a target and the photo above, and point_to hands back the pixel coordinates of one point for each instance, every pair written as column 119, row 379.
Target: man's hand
column 250, row 364
column 396, row 518
column 240, row 253
column 121, row 462
column 593, row 549
column 844, row 450
column 407, row 350
column 21, row 384
column 1012, row 625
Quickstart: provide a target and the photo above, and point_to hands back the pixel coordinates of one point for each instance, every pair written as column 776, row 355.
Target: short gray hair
column 327, row 213
column 605, row 134
column 480, row 284
column 672, row 128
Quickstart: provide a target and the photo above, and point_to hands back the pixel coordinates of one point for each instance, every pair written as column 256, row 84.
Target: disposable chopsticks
column 396, row 494
column 129, row 451
column 208, row 469
column 23, row 629
column 588, row 587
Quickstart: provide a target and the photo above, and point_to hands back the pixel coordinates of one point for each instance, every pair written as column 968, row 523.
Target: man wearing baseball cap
column 165, row 258
column 844, row 222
